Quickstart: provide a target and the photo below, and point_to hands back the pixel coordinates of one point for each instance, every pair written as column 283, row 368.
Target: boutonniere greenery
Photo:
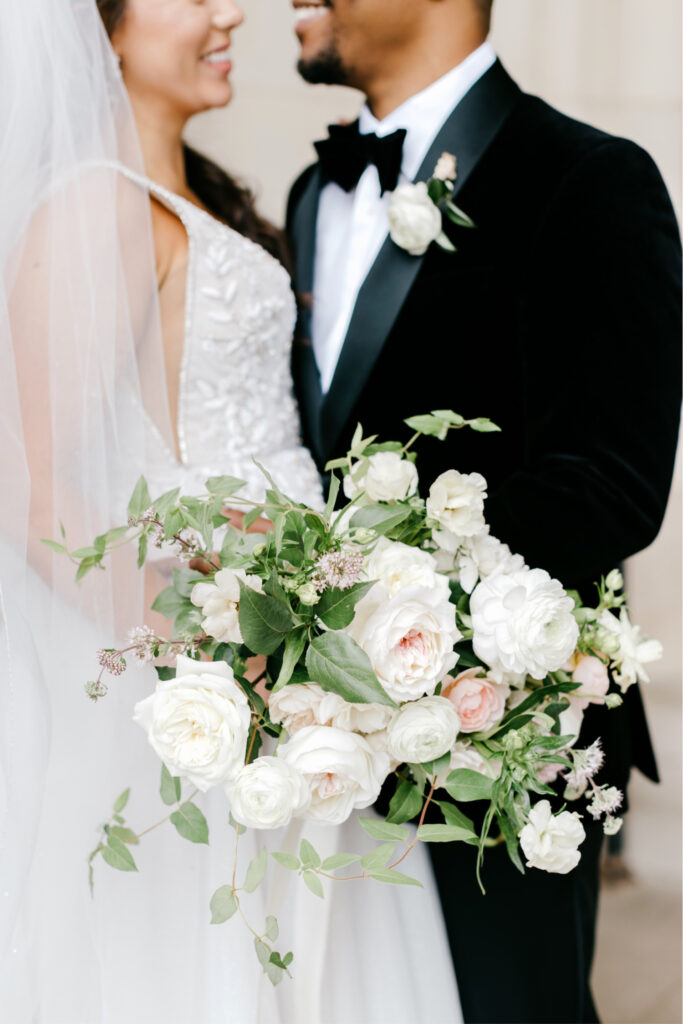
column 417, row 209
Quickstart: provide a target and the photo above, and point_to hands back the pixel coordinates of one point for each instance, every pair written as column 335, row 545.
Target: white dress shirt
column 352, row 226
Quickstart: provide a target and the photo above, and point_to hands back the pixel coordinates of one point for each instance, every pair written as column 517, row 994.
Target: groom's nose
column 226, row 14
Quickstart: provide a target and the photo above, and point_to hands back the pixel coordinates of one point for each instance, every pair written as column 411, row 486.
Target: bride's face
column 174, row 53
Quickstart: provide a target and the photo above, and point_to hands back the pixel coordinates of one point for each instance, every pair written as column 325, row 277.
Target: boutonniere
column 416, row 210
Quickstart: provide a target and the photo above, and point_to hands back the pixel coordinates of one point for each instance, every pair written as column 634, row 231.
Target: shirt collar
column 423, row 114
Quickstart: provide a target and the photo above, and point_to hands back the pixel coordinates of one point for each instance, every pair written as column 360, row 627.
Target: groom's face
column 344, row 41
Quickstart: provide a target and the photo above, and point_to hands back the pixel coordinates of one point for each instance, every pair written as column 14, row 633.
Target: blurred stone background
column 615, row 64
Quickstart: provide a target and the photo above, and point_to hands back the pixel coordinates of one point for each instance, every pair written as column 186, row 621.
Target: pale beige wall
column 615, row 63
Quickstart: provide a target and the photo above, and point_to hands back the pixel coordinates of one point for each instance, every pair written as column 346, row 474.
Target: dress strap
column 176, row 204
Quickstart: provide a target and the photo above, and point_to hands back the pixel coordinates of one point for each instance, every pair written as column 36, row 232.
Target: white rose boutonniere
column 417, row 209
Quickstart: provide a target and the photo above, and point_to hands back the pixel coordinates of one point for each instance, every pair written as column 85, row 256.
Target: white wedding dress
column 142, row 951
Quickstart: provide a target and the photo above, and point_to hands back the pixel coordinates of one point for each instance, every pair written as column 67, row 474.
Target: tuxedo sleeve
column 601, row 353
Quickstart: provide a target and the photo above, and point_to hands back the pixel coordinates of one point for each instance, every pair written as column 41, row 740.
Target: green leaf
column 484, row 426
column 339, row 665
column 394, row 877
column 223, row 905
column 263, row 621
column 295, row 642
column 117, row 855
column 459, row 216
column 382, row 830
column 438, row 766
column 288, row 959
column 59, row 549
column 339, row 860
column 165, row 672
column 121, row 801
column 272, row 929
column 337, row 608
column 286, row 860
column 170, row 603
column 143, row 544
column 224, row 486
column 443, row 834
column 126, row 835
column 170, row 787
column 464, row 785
column 380, row 518
column 256, row 871
column 448, row 416
column 454, row 816
column 85, row 553
column 262, row 952
column 511, row 841
column 406, row 803
column 140, row 499
column 84, row 568
column 309, row 855
column 314, row 883
column 191, row 823
column 275, row 974
column 444, row 242
column 378, row 857
column 432, row 426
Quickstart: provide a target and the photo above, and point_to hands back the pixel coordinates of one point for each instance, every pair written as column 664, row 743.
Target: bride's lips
column 308, row 12
column 218, row 61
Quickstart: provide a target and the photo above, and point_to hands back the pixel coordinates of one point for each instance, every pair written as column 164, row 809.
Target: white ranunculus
column 464, row 755
column 220, row 603
column 523, row 622
column 395, row 566
column 198, row 723
column 423, row 730
column 456, row 501
column 384, row 476
column 297, row 705
column 414, row 220
column 343, row 771
column 481, row 556
column 634, row 651
column 267, row 794
column 551, row 842
column 408, row 638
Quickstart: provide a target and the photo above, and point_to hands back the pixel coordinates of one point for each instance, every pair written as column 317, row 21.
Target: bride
column 146, row 321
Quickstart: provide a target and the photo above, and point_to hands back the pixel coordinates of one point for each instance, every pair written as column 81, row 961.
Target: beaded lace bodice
column 236, row 400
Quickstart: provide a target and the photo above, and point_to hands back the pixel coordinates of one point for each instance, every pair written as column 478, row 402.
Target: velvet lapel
column 468, row 133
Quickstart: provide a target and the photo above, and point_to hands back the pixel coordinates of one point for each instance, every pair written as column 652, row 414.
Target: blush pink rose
column 479, row 702
column 594, row 678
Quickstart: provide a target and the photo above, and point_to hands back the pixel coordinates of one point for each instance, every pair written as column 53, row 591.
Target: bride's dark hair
column 226, row 198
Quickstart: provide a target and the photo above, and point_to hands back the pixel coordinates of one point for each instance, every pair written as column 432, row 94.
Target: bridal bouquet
column 388, row 642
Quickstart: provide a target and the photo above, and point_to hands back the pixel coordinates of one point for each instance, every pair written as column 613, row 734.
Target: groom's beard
column 325, row 68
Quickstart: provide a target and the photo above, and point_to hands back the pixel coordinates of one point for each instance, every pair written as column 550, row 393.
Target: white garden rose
column 384, row 476
column 456, row 501
column 414, row 220
column 523, row 622
column 395, row 566
column 267, row 794
column 343, row 771
column 364, row 718
column 481, row 556
column 408, row 638
column 446, row 168
column 198, row 723
column 551, row 842
column 220, row 603
column 296, row 706
column 423, row 730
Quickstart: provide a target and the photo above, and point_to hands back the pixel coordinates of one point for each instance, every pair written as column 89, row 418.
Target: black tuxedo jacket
column 558, row 317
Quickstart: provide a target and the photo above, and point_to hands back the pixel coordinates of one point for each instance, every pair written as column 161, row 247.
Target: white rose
column 408, row 638
column 551, row 842
column 446, row 168
column 423, row 730
column 633, row 651
column 523, row 622
column 267, row 794
column 395, row 565
column 384, row 476
column 481, row 556
column 296, row 706
column 341, row 768
column 464, row 755
column 456, row 501
column 414, row 220
column 220, row 603
column 198, row 723
column 365, row 718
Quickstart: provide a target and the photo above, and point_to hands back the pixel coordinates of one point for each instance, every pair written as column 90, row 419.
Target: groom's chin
column 323, row 69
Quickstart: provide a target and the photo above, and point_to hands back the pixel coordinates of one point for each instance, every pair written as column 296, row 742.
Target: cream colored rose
column 198, row 723
column 414, row 220
column 594, row 678
column 423, row 730
column 384, row 476
column 478, row 701
column 220, row 603
column 446, row 168
column 456, row 501
column 296, row 706
column 465, row 755
column 267, row 794
column 341, row 768
column 395, row 566
column 409, row 639
column 551, row 842
column 364, row 718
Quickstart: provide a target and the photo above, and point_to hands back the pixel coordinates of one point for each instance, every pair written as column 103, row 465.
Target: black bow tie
column 346, row 153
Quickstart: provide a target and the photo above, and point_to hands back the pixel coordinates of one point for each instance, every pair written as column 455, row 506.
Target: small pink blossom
column 479, row 702
column 340, row 569
column 594, row 678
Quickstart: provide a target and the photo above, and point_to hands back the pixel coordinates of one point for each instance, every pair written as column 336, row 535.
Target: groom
column 558, row 317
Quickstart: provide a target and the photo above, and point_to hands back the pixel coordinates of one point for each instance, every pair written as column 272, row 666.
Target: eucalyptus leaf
column 309, row 855
column 378, row 858
column 339, row 860
column 256, row 871
column 223, row 905
column 170, row 787
column 262, row 951
column 314, row 883
column 191, row 823
column 274, row 974
column 272, row 929
column 121, row 801
column 126, row 835
column 339, row 665
column 394, row 877
column 117, row 855
column 382, row 830
column 286, row 860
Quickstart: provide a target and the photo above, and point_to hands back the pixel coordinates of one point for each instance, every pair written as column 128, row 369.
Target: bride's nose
column 226, row 14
